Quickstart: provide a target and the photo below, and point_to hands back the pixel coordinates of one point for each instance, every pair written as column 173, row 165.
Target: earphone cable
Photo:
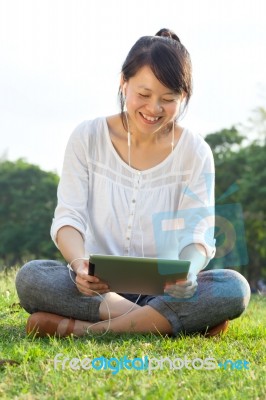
column 69, row 266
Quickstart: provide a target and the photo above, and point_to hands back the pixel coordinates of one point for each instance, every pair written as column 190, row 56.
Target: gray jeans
column 45, row 285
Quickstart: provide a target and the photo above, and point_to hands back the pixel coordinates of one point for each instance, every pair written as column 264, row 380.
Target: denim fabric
column 45, row 285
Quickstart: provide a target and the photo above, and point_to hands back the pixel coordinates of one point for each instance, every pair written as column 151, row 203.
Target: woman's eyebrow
column 143, row 87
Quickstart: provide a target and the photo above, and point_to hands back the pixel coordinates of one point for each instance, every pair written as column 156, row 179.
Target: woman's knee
column 237, row 289
column 24, row 281
column 26, row 275
column 243, row 289
column 29, row 281
column 32, row 272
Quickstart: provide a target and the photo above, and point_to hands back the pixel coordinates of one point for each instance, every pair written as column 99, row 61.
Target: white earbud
column 124, row 91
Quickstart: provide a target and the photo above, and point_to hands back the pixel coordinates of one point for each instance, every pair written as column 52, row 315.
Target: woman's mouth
column 149, row 119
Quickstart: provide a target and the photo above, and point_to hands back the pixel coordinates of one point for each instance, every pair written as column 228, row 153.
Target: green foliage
column 242, row 172
column 27, row 203
column 223, row 141
column 256, row 126
column 253, row 193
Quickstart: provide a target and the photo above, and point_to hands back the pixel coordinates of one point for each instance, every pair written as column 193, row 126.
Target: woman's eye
column 168, row 100
column 144, row 95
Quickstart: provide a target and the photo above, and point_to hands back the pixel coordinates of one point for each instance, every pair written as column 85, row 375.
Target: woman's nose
column 154, row 107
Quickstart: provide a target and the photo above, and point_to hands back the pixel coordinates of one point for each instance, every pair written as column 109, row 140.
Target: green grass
column 35, row 377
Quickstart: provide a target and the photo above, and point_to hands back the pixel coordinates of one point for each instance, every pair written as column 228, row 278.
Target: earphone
column 124, row 91
column 69, row 266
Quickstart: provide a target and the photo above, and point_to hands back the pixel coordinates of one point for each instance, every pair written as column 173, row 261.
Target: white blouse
column 122, row 211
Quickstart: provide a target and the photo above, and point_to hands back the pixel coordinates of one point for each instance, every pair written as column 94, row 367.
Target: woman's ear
column 183, row 96
column 123, row 85
column 124, row 89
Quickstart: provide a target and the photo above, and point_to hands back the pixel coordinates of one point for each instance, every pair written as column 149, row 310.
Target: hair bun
column 168, row 33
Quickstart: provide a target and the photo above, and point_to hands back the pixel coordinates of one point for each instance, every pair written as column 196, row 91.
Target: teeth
column 150, row 118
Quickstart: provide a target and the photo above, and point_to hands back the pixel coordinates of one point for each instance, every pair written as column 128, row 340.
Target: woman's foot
column 41, row 324
column 217, row 330
column 141, row 320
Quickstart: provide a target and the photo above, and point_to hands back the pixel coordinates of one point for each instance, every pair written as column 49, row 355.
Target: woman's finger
column 90, row 292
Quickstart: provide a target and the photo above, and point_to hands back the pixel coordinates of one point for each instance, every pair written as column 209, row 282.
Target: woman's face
column 151, row 106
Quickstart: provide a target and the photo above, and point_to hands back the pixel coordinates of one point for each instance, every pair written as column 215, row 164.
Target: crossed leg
column 44, row 287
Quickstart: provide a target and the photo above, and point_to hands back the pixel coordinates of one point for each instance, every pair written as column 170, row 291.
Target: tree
column 241, row 178
column 27, row 203
column 252, row 185
column 224, row 142
column 256, row 126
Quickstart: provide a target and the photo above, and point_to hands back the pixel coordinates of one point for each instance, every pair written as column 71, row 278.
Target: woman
column 120, row 173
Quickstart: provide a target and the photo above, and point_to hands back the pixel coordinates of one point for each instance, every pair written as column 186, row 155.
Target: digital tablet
column 138, row 275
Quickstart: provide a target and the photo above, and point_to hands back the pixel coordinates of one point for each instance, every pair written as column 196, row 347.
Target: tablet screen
column 138, row 275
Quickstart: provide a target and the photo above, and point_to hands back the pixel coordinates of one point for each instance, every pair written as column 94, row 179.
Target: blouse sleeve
column 196, row 207
column 72, row 190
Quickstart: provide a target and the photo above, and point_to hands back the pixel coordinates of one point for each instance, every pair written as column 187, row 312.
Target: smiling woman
column 150, row 120
column 153, row 93
column 121, row 174
column 163, row 53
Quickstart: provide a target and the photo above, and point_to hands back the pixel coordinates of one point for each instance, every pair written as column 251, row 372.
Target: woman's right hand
column 88, row 284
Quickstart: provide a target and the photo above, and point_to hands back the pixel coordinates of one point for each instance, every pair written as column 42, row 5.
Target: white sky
column 60, row 62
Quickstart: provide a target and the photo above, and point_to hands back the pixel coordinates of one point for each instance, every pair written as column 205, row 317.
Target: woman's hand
column 71, row 244
column 88, row 284
column 183, row 289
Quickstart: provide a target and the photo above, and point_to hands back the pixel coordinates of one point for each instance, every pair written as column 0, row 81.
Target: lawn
column 37, row 375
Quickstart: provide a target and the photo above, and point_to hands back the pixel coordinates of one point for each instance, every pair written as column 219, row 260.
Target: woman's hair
column 168, row 59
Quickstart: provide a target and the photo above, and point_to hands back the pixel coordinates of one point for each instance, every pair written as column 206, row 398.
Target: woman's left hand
column 183, row 289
